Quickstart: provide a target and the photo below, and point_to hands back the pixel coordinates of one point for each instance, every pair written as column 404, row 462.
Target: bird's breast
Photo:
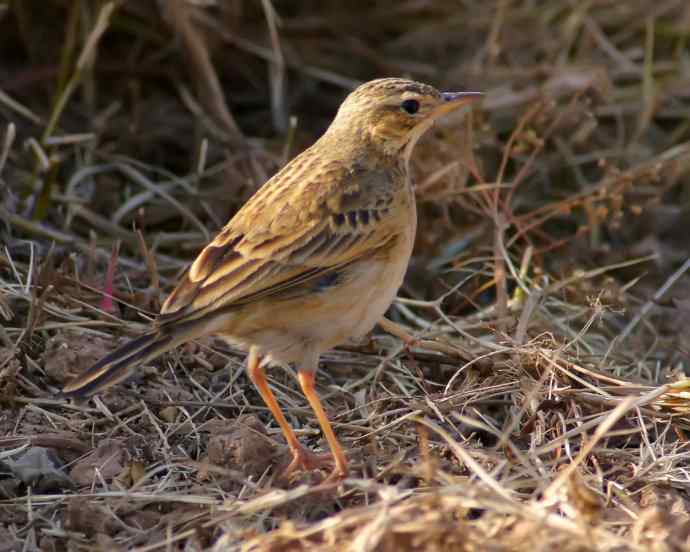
column 342, row 304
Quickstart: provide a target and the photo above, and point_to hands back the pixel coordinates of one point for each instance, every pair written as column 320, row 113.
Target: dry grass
column 543, row 404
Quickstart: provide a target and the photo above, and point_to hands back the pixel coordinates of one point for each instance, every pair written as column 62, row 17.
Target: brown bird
column 314, row 258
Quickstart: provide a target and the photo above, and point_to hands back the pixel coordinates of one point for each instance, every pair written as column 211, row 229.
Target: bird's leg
column 301, row 456
column 306, row 380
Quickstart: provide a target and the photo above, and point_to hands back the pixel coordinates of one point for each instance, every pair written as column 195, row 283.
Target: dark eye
column 410, row 106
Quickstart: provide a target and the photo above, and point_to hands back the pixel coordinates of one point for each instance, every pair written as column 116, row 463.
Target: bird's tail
column 119, row 364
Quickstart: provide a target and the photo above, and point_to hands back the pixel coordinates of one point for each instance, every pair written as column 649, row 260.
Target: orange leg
column 301, row 457
column 306, row 380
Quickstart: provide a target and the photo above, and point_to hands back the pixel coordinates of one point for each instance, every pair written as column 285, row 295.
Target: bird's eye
column 410, row 106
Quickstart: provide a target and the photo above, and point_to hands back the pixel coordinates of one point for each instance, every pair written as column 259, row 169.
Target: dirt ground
column 543, row 404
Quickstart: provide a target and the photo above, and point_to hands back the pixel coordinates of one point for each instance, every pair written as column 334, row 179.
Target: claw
column 304, row 459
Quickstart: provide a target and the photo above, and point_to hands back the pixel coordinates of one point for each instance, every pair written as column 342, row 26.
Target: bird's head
column 392, row 114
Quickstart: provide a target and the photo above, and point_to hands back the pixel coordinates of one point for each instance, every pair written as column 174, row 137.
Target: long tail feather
column 119, row 364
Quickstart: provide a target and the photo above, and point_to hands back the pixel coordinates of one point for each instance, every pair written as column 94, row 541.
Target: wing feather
column 289, row 233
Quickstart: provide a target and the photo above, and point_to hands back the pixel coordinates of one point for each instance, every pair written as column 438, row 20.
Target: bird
column 314, row 258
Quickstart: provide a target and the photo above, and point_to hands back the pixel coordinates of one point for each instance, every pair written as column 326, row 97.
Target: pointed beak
column 454, row 100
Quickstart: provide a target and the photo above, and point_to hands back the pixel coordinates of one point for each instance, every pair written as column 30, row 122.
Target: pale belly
column 285, row 330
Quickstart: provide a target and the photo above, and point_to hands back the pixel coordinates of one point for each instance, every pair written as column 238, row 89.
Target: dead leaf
column 109, row 459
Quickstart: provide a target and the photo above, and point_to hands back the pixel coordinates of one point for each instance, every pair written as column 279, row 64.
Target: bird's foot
column 305, row 460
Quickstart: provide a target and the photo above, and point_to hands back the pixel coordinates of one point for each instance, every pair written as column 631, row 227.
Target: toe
column 304, row 459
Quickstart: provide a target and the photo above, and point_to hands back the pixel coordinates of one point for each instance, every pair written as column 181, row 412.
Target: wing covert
column 290, row 232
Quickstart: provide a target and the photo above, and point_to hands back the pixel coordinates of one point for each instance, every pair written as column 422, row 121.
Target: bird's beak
column 453, row 100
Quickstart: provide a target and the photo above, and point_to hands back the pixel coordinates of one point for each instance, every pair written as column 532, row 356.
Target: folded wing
column 304, row 223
